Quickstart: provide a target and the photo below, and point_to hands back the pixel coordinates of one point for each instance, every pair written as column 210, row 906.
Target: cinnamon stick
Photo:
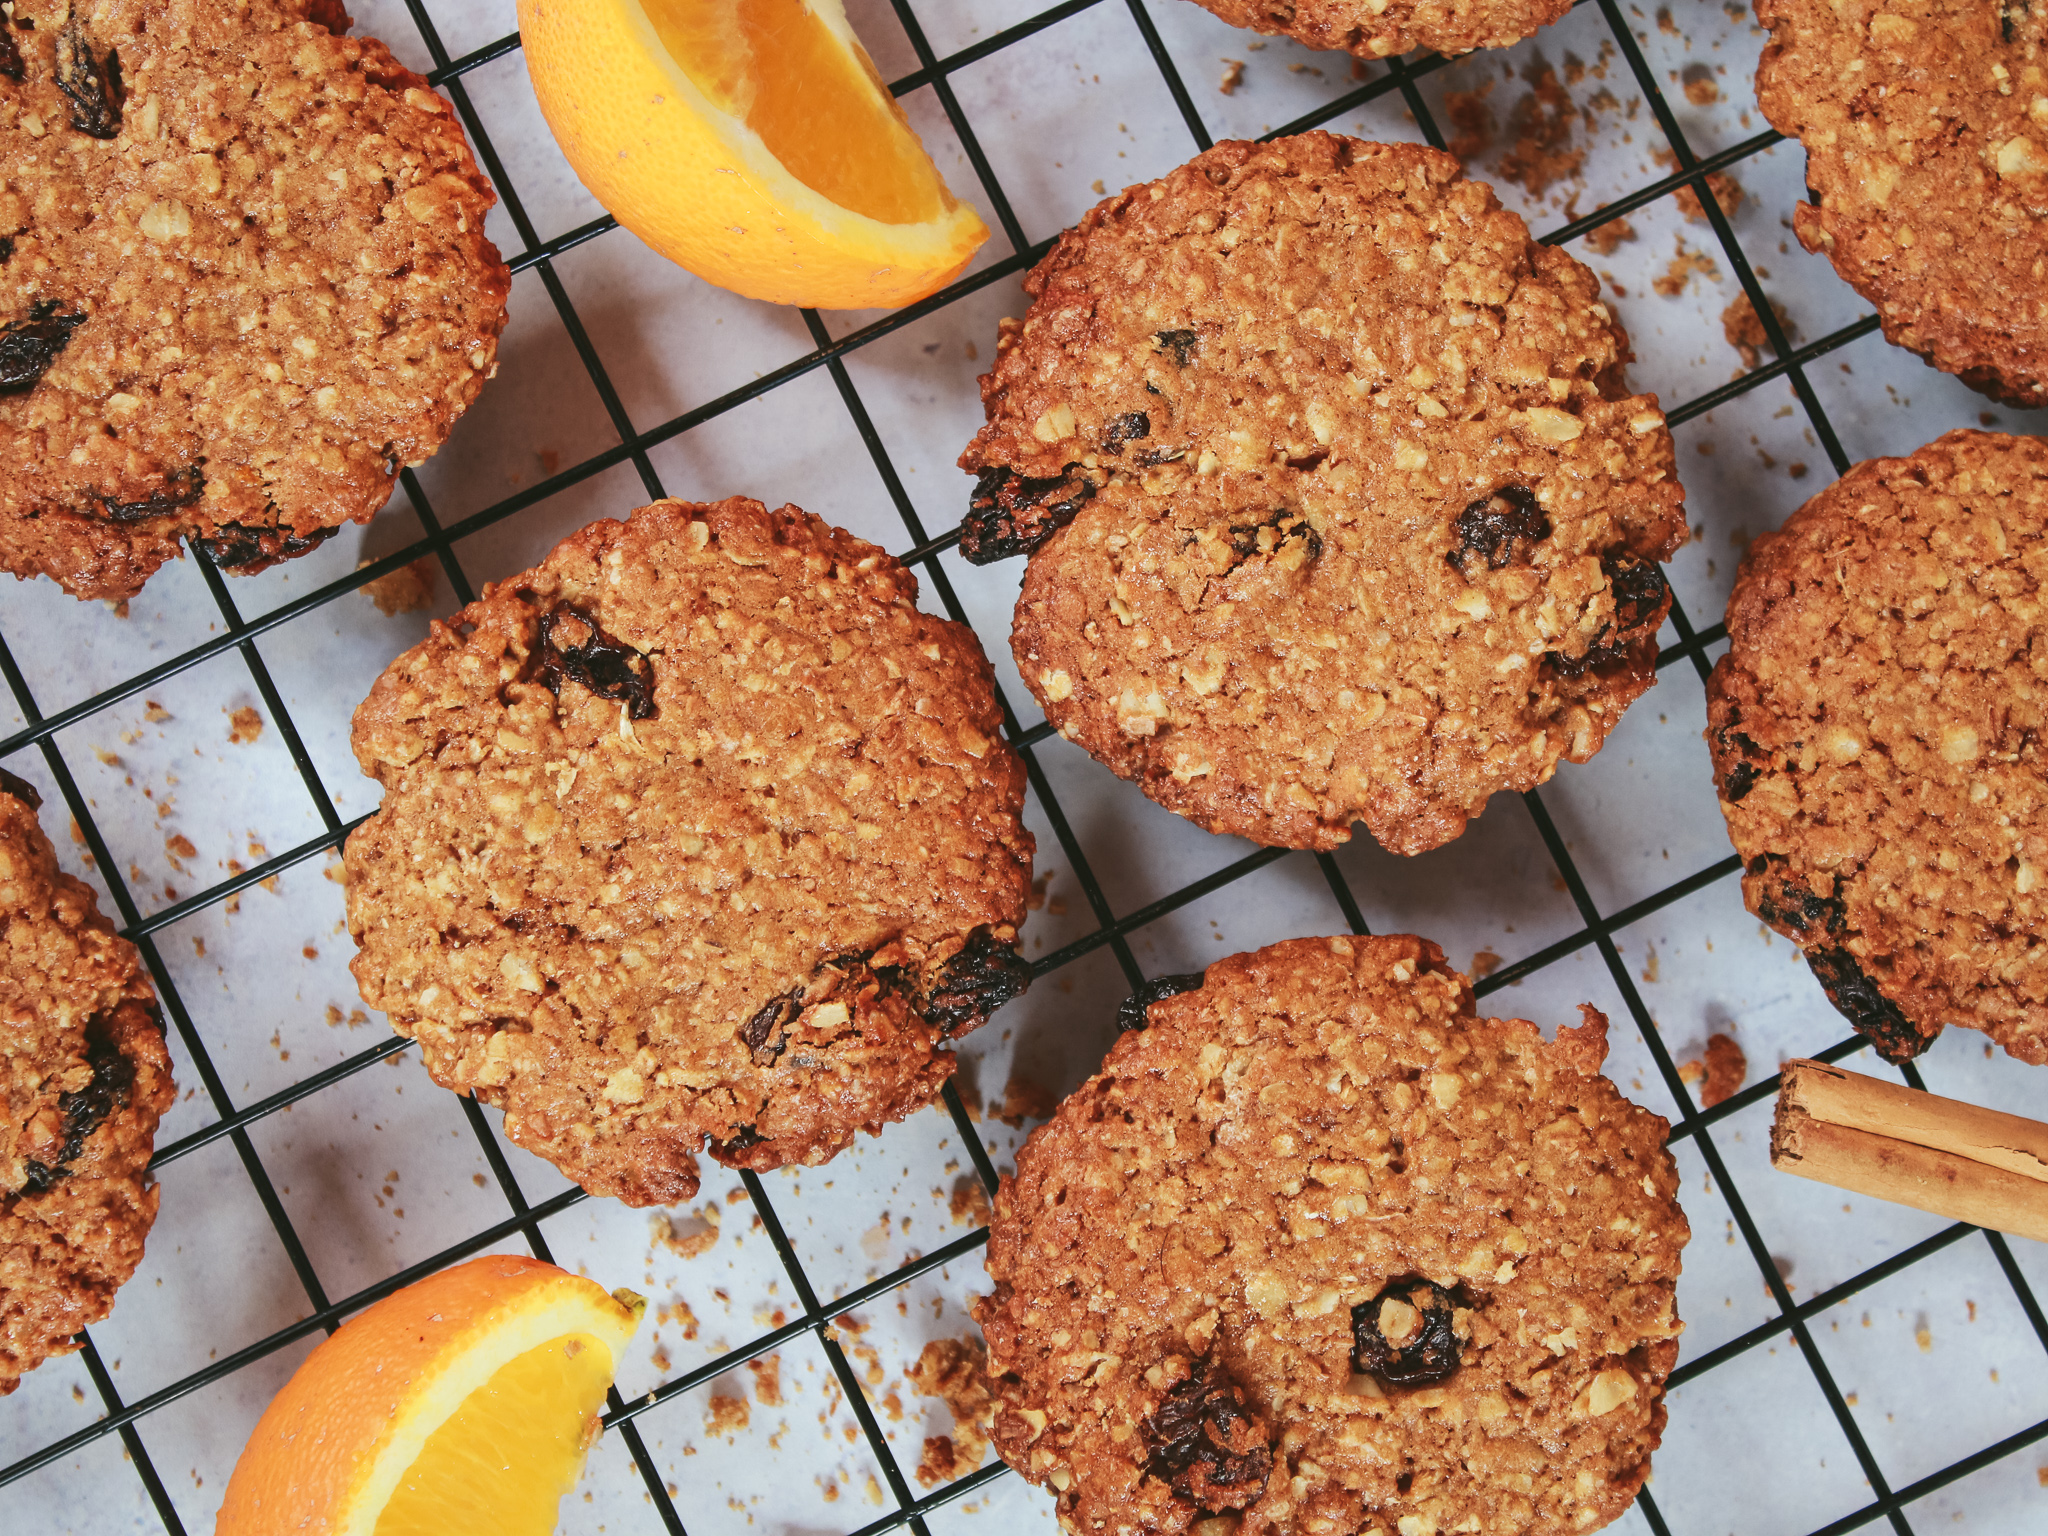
column 1900, row 1144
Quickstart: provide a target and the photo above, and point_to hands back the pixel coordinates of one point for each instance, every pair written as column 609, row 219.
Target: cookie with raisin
column 243, row 281
column 1374, row 30
column 1321, row 1249
column 1337, row 504
column 698, row 832
column 1874, row 728
column 86, row 1077
column 1926, row 137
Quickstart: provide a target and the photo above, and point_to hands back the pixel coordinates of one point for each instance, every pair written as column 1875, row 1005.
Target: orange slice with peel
column 750, row 141
column 467, row 1400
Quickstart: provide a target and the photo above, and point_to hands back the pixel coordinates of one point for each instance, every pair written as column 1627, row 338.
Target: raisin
column 1152, row 458
column 977, row 981
column 1492, row 526
column 244, row 550
column 1012, row 514
column 86, row 1110
column 1858, row 1000
column 1202, row 1444
column 1130, row 1013
column 1428, row 1351
column 28, row 347
column 92, row 84
column 1249, row 539
column 2007, row 10
column 181, row 489
column 1127, row 428
column 21, row 789
column 607, row 667
column 1641, row 599
column 10, row 54
column 1180, row 343
column 768, row 1023
column 6, row 247
column 1739, row 781
column 1799, row 913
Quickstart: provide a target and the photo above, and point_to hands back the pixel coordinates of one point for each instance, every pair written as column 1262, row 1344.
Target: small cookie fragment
column 85, row 1077
column 1926, row 136
column 1321, row 1249
column 1874, row 733
column 243, row 281
column 698, row 831
column 1373, row 29
column 1337, row 505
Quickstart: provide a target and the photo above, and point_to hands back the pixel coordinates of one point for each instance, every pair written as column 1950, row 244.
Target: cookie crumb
column 767, row 1373
column 1727, row 192
column 1233, row 77
column 1024, row 1100
column 1721, row 1073
column 405, row 590
column 1484, row 963
column 1603, row 240
column 245, row 725
column 969, row 1204
column 686, row 1237
column 1744, row 329
column 1472, row 121
column 1683, row 265
column 955, row 1371
column 1700, row 89
column 1542, row 127
column 726, row 1416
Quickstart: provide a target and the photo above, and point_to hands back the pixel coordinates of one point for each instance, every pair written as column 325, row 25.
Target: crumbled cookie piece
column 243, row 281
column 698, row 831
column 1925, row 144
column 1873, row 728
column 1247, row 432
column 1322, row 1249
column 84, row 1078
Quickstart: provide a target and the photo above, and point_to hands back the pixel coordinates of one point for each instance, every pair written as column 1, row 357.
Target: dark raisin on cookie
column 1201, row 1443
column 1798, row 913
column 21, row 789
column 1740, row 780
column 91, row 82
column 1012, row 514
column 1876, row 1017
column 1127, row 428
column 1641, row 599
column 244, row 550
column 606, row 666
column 86, row 1109
column 1130, row 1013
column 1180, row 343
column 1266, row 538
column 762, row 1034
column 1404, row 1335
column 181, row 488
column 1498, row 527
column 11, row 67
column 977, row 981
column 740, row 1140
column 28, row 347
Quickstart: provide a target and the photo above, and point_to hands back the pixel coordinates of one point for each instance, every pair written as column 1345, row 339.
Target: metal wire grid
column 232, row 1121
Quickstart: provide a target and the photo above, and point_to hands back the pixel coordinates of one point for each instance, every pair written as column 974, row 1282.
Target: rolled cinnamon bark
column 1900, row 1144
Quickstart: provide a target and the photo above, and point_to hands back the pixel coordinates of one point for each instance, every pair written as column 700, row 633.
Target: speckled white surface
column 382, row 1170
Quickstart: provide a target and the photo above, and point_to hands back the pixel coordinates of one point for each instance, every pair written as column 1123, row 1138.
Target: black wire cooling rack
column 232, row 1121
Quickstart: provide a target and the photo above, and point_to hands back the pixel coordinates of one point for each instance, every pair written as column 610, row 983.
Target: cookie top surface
column 1926, row 134
column 245, row 281
column 1320, row 1247
column 1873, row 726
column 698, row 830
column 1372, row 31
column 1339, row 508
column 85, row 1078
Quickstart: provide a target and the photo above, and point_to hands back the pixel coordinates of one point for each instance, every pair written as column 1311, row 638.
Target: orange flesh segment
column 825, row 115
column 504, row 1459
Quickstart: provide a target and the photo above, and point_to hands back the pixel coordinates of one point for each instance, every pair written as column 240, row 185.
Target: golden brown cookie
column 85, row 1078
column 1374, row 30
column 1338, row 506
column 1926, row 134
column 243, row 280
column 1874, row 726
column 1319, row 1249
column 699, row 830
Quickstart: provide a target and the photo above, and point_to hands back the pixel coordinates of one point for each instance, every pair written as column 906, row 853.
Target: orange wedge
column 752, row 142
column 465, row 1401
